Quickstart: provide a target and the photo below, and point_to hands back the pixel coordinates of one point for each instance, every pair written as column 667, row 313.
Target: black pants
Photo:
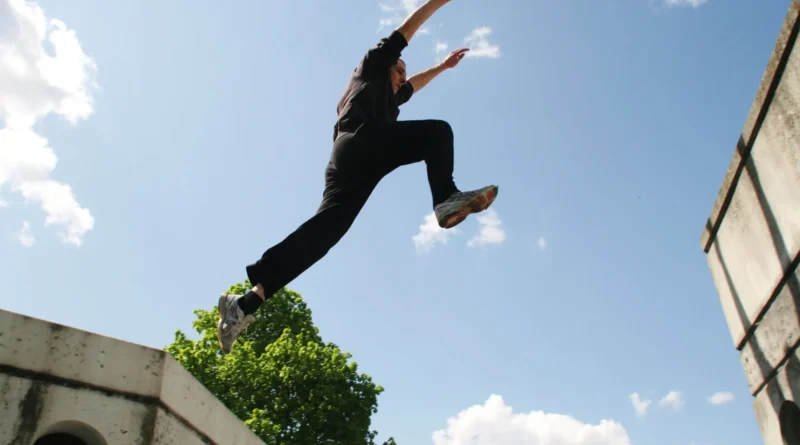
column 358, row 162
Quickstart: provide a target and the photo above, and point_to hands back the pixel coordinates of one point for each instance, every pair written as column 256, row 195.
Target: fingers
column 455, row 57
column 458, row 54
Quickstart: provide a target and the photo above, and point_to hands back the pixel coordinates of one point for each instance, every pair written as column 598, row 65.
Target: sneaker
column 232, row 321
column 457, row 207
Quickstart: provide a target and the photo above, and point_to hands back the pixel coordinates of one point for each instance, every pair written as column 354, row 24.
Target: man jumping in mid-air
column 368, row 144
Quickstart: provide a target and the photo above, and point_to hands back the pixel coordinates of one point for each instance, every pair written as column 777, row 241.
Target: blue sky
column 200, row 137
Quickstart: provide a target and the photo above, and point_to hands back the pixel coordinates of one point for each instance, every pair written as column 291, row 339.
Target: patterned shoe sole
column 476, row 205
column 222, row 309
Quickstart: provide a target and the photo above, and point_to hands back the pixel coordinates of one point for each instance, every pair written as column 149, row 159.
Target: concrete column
column 752, row 242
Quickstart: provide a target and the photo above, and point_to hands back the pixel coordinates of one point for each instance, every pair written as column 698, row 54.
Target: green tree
column 281, row 379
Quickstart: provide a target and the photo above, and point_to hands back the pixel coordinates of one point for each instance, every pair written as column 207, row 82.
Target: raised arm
column 380, row 58
column 417, row 18
column 419, row 80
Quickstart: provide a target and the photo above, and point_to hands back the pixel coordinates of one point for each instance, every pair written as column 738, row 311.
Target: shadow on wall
column 790, row 423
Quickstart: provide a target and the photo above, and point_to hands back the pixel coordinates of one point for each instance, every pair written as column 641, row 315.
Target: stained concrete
column 752, row 238
column 55, row 378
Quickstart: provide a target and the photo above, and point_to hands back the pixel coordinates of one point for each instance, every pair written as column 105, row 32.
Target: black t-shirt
column 369, row 97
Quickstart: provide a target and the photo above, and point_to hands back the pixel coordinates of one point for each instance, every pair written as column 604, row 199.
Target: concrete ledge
column 757, row 233
column 766, row 89
column 752, row 240
column 53, row 376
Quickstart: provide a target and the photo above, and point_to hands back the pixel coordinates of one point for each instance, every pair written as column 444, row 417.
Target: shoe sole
column 476, row 205
column 222, row 310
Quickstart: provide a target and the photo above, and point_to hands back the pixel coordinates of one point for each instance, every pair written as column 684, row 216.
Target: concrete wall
column 105, row 391
column 752, row 239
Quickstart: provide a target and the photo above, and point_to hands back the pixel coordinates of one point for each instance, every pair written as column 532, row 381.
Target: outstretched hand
column 452, row 60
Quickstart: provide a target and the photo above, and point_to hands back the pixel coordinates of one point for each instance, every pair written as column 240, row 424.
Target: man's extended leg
column 348, row 186
column 432, row 141
column 312, row 240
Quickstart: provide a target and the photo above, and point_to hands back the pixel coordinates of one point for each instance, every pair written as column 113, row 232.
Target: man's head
column 397, row 75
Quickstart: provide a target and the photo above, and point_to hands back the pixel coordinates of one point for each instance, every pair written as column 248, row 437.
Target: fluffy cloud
column 431, row 234
column 542, row 243
column 489, row 230
column 34, row 83
column 682, row 3
column 721, row 398
column 440, row 47
column 479, row 45
column 673, row 399
column 640, row 406
column 25, row 236
column 495, row 423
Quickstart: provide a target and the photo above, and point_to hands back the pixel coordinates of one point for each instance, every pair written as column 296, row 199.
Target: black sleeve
column 404, row 93
column 380, row 58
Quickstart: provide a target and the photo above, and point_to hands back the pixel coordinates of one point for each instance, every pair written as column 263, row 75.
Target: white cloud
column 495, row 423
column 673, row 399
column 3, row 203
column 682, row 3
column 542, row 243
column 25, row 236
column 431, row 234
column 440, row 47
column 639, row 405
column 721, row 398
column 489, row 231
column 479, row 45
column 34, row 83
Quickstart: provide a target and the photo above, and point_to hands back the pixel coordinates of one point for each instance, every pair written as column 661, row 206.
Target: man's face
column 398, row 75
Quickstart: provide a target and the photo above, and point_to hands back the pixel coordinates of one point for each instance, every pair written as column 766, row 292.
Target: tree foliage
column 281, row 379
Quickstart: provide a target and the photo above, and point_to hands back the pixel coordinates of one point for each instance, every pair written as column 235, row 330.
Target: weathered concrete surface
column 55, row 378
column 758, row 234
column 31, row 409
column 752, row 238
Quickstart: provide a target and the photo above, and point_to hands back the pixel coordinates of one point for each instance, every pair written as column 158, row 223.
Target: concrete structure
column 752, row 242
column 60, row 385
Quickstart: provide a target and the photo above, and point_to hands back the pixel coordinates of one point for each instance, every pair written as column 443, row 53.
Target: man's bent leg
column 432, row 141
column 408, row 142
